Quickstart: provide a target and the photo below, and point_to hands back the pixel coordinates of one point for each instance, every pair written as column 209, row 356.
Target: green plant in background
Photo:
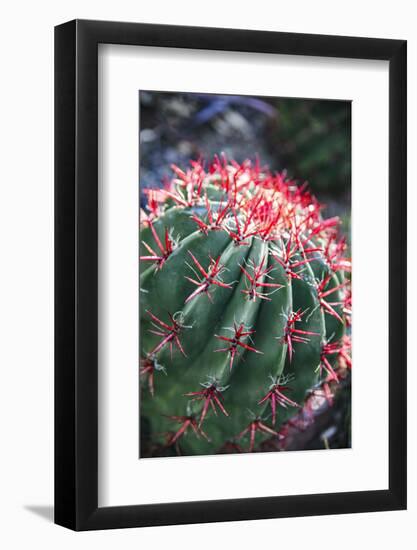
column 244, row 303
column 313, row 138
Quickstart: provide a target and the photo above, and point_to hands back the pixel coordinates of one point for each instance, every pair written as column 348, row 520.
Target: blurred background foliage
column 312, row 140
column 309, row 138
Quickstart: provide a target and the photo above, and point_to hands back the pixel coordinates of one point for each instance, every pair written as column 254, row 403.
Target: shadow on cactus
column 244, row 309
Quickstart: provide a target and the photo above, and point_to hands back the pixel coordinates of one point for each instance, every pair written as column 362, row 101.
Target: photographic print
column 245, row 274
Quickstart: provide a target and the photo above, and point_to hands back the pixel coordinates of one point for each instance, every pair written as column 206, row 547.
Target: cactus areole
column 244, row 303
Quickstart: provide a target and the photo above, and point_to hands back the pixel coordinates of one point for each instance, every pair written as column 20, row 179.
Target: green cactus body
column 231, row 307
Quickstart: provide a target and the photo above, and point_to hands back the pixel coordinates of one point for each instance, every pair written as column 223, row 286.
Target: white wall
column 26, row 274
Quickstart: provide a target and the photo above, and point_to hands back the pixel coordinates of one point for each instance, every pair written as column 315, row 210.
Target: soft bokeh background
column 309, row 138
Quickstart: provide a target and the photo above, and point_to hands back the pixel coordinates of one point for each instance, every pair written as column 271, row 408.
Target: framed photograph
column 230, row 244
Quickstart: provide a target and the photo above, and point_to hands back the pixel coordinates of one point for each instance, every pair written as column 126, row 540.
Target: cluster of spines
column 253, row 203
column 323, row 393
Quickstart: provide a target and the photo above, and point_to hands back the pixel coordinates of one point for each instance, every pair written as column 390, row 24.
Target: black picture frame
column 76, row 271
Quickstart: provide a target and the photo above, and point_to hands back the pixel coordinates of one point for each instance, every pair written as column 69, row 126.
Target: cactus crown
column 244, row 304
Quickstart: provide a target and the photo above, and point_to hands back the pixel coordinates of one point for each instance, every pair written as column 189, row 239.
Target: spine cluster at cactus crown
column 245, row 306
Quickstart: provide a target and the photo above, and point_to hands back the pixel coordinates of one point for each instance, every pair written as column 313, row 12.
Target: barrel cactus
column 244, row 304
